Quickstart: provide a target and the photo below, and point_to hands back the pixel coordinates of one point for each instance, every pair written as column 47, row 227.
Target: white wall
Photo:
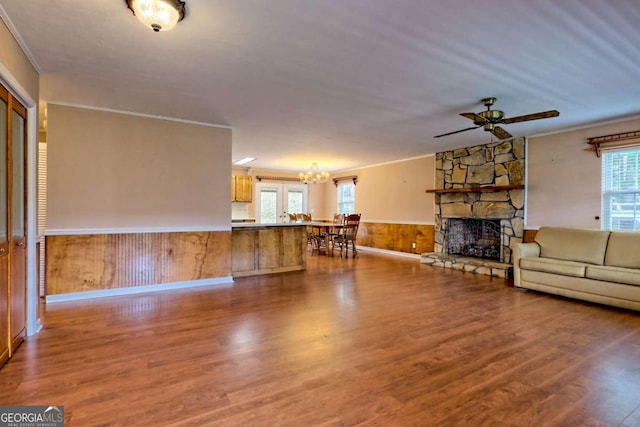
column 16, row 63
column 393, row 192
column 109, row 170
column 564, row 181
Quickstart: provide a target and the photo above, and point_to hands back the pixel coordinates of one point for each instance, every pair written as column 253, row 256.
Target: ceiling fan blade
column 456, row 131
column 500, row 133
column 478, row 120
column 534, row 116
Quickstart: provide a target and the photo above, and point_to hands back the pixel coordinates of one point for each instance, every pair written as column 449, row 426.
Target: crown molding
column 16, row 35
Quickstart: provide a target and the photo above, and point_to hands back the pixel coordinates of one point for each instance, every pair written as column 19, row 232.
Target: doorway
column 275, row 201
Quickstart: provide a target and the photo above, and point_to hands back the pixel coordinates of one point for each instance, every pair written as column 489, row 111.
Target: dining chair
column 311, row 237
column 321, row 236
column 338, row 219
column 347, row 235
column 292, row 217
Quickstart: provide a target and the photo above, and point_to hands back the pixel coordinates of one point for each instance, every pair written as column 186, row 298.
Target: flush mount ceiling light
column 314, row 175
column 159, row 15
column 244, row 161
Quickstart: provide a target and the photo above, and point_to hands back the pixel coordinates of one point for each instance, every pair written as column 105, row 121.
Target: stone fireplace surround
column 482, row 180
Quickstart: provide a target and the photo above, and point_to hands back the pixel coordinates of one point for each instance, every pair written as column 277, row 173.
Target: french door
column 275, row 201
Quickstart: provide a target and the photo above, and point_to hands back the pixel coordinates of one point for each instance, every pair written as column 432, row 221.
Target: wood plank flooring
column 377, row 340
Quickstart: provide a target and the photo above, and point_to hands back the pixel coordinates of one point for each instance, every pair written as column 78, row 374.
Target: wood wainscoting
column 92, row 262
column 529, row 235
column 397, row 237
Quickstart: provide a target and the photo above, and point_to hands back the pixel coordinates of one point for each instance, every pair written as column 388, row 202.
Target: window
column 346, row 198
column 621, row 189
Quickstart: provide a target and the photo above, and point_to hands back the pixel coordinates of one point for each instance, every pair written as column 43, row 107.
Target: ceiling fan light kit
column 491, row 115
column 159, row 15
column 489, row 118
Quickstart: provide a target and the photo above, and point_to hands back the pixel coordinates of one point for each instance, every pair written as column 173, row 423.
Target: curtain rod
column 277, row 178
column 353, row 178
column 613, row 141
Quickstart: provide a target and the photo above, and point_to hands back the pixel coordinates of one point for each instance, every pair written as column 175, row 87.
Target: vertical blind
column 621, row 189
column 42, row 208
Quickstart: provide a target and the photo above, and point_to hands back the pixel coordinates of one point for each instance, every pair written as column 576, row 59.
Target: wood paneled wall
column 264, row 250
column 91, row 262
column 397, row 237
column 529, row 236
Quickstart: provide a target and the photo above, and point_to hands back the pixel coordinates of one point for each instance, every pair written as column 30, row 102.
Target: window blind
column 346, row 198
column 621, row 189
column 42, row 208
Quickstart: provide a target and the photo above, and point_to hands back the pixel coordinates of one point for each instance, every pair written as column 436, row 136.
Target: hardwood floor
column 376, row 340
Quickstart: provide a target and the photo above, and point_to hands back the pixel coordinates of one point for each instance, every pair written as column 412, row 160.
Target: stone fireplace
column 482, row 183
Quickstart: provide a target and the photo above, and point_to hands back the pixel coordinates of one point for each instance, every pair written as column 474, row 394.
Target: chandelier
column 159, row 15
column 314, row 175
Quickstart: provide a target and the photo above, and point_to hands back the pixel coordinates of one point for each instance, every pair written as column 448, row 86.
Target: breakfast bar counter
column 268, row 248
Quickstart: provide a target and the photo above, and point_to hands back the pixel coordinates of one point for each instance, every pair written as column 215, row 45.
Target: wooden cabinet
column 241, row 188
column 13, row 285
column 272, row 249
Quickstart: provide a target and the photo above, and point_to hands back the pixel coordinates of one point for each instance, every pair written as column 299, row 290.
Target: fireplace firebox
column 478, row 238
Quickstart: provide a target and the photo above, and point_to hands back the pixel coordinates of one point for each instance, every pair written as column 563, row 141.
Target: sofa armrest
column 523, row 250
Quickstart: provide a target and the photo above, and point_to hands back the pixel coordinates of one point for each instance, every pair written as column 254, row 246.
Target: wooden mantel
column 478, row 189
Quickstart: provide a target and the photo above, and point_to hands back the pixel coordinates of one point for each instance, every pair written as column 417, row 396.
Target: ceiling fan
column 490, row 118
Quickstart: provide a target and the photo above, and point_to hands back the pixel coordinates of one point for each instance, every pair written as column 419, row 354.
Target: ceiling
column 345, row 83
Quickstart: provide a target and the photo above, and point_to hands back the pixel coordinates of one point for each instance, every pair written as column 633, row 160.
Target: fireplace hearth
column 478, row 238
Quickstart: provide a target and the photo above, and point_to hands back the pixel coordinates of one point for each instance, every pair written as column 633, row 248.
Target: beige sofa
column 593, row 265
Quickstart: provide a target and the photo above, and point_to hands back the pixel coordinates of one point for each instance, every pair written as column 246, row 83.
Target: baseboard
column 388, row 252
column 73, row 296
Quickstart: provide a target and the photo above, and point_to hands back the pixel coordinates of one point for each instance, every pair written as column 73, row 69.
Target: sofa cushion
column 623, row 249
column 551, row 265
column 579, row 287
column 573, row 244
column 628, row 276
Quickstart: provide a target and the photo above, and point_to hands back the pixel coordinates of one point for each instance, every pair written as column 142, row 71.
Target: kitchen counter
column 242, row 220
column 259, row 224
column 267, row 248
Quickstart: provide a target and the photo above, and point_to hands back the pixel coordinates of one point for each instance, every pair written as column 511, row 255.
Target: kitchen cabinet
column 241, row 188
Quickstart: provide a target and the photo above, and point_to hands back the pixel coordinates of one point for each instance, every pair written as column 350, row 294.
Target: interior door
column 4, row 224
column 17, row 219
column 275, row 201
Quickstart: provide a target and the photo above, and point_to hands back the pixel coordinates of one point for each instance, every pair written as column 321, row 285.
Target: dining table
column 323, row 231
